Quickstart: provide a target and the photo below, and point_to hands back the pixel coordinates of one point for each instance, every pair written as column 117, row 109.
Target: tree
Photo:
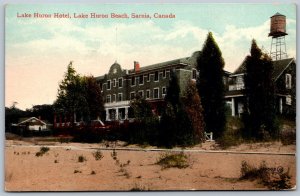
column 194, row 110
column 259, row 88
column 71, row 95
column 45, row 112
column 176, row 125
column 94, row 98
column 210, row 86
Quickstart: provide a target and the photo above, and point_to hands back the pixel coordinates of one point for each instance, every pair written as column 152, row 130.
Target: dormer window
column 288, row 81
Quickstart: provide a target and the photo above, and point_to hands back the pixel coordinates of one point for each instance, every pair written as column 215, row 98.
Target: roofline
column 32, row 118
column 292, row 59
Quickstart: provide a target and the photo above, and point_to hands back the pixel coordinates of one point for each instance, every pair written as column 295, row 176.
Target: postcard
column 150, row 97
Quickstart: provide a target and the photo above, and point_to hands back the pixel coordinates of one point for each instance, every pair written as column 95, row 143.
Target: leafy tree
column 12, row 115
column 94, row 98
column 71, row 94
column 194, row 110
column 260, row 118
column 45, row 111
column 210, row 86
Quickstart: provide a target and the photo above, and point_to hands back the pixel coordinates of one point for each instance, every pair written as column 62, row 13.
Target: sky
column 38, row 50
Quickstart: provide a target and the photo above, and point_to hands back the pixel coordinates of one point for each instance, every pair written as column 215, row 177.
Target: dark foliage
column 260, row 116
column 211, row 87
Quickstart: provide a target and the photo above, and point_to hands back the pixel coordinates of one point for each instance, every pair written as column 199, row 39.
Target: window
column 120, row 96
column 108, row 84
column 114, row 98
column 120, row 82
column 164, row 92
column 114, row 83
column 156, row 76
column 148, row 94
column 164, row 73
column 108, row 99
column 288, row 100
column 141, row 79
column 194, row 74
column 148, row 77
column 156, row 93
column 132, row 95
column 141, row 94
column 288, row 81
column 133, row 81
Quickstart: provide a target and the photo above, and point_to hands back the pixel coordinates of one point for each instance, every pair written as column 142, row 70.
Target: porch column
column 126, row 113
column 280, row 105
column 232, row 107
column 107, row 114
column 117, row 113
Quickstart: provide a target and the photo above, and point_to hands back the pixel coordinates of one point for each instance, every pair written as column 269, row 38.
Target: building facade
column 284, row 75
column 120, row 86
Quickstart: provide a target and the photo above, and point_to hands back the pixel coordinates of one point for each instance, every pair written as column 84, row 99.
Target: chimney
column 136, row 66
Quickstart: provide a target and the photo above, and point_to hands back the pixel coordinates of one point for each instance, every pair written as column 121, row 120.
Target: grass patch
column 177, row 160
column 273, row 178
column 42, row 151
column 81, row 158
column 98, row 155
column 232, row 134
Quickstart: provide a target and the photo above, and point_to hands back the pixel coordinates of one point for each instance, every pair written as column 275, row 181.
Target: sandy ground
column 55, row 171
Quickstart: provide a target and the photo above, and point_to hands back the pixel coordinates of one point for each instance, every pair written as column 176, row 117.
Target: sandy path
column 207, row 171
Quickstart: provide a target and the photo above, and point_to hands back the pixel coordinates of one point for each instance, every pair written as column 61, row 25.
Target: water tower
column 278, row 33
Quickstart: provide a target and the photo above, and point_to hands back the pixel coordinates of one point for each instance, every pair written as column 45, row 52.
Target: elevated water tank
column 278, row 25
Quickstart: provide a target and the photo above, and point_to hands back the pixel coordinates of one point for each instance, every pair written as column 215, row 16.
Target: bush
column 81, row 159
column 178, row 160
column 42, row 151
column 288, row 137
column 98, row 155
column 273, row 178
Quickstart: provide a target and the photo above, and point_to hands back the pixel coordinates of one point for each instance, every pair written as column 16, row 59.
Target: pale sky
column 38, row 50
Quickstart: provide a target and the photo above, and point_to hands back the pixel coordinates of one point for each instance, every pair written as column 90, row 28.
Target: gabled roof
column 33, row 121
column 279, row 67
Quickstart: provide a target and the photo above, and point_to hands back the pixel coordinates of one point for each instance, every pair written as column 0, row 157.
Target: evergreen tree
column 194, row 110
column 176, row 125
column 210, row 86
column 259, row 87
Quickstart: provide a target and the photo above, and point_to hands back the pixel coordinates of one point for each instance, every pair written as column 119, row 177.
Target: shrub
column 81, row 159
column 168, row 160
column 114, row 154
column 288, row 137
column 42, row 151
column 93, row 172
column 98, row 155
column 273, row 178
column 76, row 171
